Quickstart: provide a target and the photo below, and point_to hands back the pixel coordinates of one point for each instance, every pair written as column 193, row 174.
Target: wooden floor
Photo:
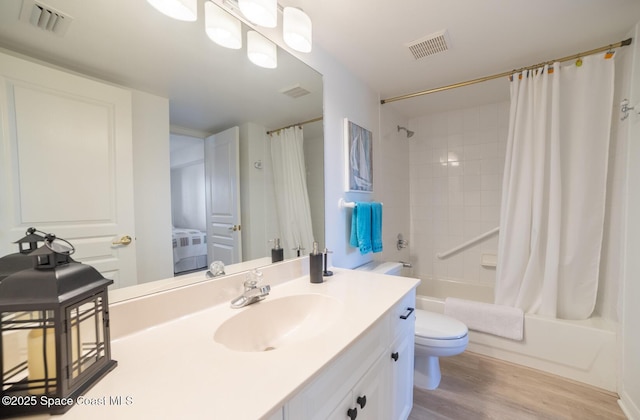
column 478, row 387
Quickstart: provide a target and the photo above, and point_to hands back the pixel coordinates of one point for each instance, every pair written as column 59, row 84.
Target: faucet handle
column 265, row 289
column 253, row 278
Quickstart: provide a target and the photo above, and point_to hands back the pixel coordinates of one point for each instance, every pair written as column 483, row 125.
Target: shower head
column 409, row 132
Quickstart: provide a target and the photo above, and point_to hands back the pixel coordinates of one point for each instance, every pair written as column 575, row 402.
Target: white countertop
column 176, row 370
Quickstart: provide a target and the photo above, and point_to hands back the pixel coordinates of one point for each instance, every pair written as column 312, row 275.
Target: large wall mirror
column 211, row 91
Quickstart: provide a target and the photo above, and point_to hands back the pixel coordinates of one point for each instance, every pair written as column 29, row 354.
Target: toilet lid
column 438, row 326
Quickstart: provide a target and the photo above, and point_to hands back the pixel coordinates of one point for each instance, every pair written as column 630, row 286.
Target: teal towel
column 361, row 224
column 376, row 227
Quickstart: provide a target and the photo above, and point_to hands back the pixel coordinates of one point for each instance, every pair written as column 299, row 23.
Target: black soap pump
column 277, row 253
column 315, row 264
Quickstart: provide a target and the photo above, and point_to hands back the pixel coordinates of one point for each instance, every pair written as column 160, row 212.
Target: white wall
column 188, row 207
column 630, row 353
column 151, row 186
column 258, row 214
column 345, row 96
column 314, row 163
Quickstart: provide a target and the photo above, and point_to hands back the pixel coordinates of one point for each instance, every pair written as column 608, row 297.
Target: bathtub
column 583, row 351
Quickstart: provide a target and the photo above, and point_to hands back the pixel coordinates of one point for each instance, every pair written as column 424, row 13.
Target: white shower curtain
column 553, row 191
column 290, row 185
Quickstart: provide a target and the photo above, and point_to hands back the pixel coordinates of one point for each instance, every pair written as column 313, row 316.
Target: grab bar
column 443, row 255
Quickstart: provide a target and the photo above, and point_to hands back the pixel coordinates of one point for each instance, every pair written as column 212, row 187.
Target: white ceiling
column 487, row 37
column 127, row 42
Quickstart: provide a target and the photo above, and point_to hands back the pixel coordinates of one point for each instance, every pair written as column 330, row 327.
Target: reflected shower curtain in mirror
column 290, row 185
column 554, row 189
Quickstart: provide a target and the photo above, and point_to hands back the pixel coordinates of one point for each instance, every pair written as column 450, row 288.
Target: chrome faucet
column 252, row 292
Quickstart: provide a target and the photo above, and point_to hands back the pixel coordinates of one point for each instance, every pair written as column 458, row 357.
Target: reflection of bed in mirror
column 189, row 250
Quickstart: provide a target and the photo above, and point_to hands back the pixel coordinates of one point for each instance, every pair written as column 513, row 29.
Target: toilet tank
column 382, row 267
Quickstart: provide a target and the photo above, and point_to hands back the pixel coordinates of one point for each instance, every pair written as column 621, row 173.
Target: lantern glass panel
column 29, row 352
column 87, row 340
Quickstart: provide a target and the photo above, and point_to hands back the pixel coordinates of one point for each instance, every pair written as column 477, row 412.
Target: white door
column 222, row 183
column 66, row 164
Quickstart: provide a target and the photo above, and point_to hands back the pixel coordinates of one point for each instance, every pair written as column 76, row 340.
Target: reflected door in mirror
column 67, row 164
column 222, row 175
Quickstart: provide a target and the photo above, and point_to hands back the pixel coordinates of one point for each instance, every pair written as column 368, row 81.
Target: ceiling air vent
column 45, row 17
column 295, row 91
column 429, row 45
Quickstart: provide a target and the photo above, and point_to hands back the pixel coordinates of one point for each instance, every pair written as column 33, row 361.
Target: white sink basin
column 273, row 323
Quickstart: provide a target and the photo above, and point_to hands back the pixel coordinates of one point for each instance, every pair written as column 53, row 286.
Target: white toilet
column 436, row 336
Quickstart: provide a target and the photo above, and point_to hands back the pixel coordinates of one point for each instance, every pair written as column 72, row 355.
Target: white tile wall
column 456, row 165
column 392, row 184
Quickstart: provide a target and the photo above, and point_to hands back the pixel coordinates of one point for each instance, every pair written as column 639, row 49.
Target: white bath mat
column 503, row 321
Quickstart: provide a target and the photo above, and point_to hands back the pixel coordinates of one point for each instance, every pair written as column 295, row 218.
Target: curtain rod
column 508, row 73
column 293, row 125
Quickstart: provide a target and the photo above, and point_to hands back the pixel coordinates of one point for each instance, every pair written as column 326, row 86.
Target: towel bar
column 347, row 204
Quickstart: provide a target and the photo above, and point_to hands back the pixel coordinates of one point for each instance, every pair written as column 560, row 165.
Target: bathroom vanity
column 307, row 351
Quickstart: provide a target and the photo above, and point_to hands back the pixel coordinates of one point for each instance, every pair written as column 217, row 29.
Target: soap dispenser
column 325, row 271
column 277, row 253
column 315, row 264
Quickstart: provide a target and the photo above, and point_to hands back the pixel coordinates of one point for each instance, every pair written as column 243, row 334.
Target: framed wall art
column 358, row 158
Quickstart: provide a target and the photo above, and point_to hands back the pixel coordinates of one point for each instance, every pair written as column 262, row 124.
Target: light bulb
column 296, row 29
column 223, row 28
column 186, row 10
column 260, row 12
column 261, row 51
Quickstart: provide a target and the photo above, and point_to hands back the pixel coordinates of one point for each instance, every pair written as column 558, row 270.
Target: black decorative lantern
column 19, row 261
column 54, row 332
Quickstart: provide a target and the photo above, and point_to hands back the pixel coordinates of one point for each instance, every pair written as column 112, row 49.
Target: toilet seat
column 437, row 330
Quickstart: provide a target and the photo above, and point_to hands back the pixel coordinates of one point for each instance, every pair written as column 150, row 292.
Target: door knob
column 234, row 228
column 125, row 240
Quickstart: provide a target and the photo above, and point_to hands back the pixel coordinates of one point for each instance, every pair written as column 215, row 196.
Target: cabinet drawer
column 403, row 315
column 321, row 397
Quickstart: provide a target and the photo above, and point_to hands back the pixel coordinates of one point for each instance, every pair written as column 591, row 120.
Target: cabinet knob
column 352, row 413
column 395, row 356
column 362, row 401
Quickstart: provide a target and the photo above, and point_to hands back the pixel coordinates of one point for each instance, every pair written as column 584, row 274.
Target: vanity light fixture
column 296, row 29
column 261, row 51
column 186, row 10
column 54, row 332
column 223, row 28
column 261, row 12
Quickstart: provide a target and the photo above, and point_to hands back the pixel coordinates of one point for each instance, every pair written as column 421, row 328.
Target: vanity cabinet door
column 400, row 363
column 368, row 400
column 370, row 396
column 329, row 395
column 344, row 408
column 400, row 359
column 278, row 415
